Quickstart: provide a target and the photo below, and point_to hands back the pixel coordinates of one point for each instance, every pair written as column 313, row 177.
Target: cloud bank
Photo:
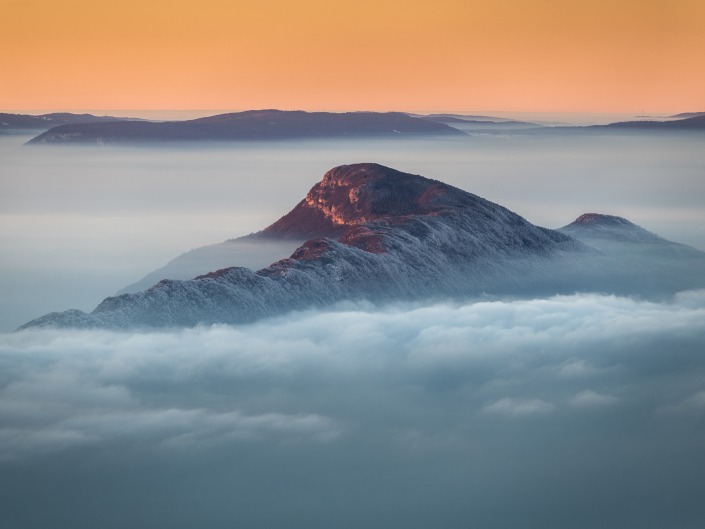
column 527, row 413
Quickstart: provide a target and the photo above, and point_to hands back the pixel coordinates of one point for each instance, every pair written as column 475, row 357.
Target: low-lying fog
column 582, row 411
column 78, row 224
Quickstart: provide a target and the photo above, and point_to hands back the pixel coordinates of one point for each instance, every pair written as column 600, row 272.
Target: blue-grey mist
column 584, row 411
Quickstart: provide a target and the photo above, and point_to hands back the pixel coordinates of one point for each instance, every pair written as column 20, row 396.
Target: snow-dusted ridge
column 381, row 235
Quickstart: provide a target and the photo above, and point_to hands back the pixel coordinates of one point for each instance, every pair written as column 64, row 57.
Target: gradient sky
column 523, row 55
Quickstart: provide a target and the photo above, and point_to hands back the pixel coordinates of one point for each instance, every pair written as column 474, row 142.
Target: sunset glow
column 523, row 55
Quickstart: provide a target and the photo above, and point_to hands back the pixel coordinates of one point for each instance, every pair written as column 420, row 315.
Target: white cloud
column 323, row 409
column 519, row 407
column 320, row 375
column 591, row 399
column 167, row 427
column 691, row 405
column 576, row 368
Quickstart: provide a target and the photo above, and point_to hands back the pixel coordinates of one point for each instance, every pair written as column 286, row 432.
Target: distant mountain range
column 694, row 123
column 456, row 118
column 265, row 125
column 25, row 122
column 481, row 124
column 377, row 234
column 250, row 125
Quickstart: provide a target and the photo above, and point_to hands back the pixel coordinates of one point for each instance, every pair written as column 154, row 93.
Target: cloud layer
column 408, row 415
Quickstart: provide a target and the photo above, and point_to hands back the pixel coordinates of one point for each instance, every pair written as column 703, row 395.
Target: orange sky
column 522, row 55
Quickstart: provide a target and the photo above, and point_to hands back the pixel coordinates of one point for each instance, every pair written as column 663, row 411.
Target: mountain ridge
column 30, row 122
column 442, row 242
column 250, row 125
column 693, row 123
column 380, row 235
column 688, row 115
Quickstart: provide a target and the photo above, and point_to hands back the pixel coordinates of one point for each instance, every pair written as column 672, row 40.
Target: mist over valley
column 438, row 411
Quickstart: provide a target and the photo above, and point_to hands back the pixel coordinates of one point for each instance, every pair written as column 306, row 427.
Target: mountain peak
column 403, row 237
column 600, row 219
column 350, row 195
column 610, row 227
column 354, row 194
column 615, row 235
column 391, row 236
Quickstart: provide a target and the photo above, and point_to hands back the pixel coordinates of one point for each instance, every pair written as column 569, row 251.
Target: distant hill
column 687, row 125
column 26, row 122
column 250, row 125
column 691, row 123
column 619, row 236
column 688, row 115
column 457, row 118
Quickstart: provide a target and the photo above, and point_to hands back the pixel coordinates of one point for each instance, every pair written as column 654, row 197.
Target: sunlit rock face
column 355, row 194
column 352, row 195
column 379, row 235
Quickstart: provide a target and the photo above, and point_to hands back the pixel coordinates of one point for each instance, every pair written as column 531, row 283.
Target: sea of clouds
column 572, row 411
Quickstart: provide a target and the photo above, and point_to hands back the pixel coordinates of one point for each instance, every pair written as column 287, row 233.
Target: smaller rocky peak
column 600, row 219
column 601, row 226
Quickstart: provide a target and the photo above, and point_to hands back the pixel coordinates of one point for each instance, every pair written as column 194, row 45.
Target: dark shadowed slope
column 399, row 237
column 250, row 125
